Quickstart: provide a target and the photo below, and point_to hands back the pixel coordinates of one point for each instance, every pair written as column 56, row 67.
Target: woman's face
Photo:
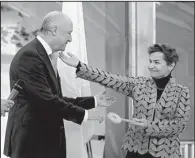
column 158, row 66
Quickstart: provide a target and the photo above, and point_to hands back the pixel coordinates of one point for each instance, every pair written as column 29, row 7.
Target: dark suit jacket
column 35, row 124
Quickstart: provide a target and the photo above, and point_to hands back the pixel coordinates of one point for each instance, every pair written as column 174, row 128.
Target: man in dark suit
column 35, row 126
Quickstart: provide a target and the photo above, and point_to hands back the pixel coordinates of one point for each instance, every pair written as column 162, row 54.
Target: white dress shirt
column 49, row 52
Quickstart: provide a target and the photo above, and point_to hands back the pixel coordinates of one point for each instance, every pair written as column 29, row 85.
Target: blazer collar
column 172, row 80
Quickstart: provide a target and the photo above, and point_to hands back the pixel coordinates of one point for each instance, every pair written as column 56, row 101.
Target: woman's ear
column 171, row 66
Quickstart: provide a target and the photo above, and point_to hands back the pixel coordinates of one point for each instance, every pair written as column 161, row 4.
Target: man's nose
column 70, row 39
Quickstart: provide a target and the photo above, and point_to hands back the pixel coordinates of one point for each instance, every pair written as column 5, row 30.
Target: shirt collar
column 45, row 45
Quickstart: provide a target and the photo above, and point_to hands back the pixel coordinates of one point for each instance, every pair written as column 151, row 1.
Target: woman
column 161, row 106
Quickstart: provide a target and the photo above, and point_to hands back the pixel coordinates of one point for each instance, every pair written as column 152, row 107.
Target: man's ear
column 54, row 30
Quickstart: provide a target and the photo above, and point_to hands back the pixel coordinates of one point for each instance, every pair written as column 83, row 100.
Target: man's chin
column 62, row 48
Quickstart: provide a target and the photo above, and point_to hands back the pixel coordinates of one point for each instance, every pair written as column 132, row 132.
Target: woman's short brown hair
column 170, row 55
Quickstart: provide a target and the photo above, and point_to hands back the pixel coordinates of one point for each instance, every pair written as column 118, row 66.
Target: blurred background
column 117, row 35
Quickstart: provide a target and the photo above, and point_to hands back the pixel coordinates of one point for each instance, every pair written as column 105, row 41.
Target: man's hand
column 5, row 106
column 92, row 116
column 103, row 100
column 70, row 59
column 140, row 122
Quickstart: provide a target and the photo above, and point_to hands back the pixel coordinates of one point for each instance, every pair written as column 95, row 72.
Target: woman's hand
column 141, row 122
column 69, row 59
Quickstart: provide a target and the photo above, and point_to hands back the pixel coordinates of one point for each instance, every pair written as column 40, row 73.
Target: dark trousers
column 137, row 155
column 62, row 144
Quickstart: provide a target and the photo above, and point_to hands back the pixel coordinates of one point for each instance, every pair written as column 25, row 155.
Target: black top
column 161, row 84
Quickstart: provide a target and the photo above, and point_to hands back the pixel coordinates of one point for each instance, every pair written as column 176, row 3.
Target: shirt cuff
column 86, row 112
column 78, row 65
column 86, row 116
column 95, row 101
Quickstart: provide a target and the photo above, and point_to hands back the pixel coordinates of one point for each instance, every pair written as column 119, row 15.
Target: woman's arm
column 119, row 83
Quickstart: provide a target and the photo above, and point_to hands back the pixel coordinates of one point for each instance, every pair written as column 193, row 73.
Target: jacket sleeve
column 119, row 83
column 84, row 102
column 32, row 71
column 175, row 126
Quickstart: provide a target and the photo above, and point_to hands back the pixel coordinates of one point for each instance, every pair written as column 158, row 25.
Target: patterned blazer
column 167, row 117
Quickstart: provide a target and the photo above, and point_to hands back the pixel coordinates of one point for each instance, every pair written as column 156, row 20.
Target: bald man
column 35, row 126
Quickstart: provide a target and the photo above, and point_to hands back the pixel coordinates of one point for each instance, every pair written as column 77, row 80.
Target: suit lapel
column 43, row 54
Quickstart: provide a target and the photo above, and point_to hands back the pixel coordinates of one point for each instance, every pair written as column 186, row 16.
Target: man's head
column 57, row 28
column 162, row 60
